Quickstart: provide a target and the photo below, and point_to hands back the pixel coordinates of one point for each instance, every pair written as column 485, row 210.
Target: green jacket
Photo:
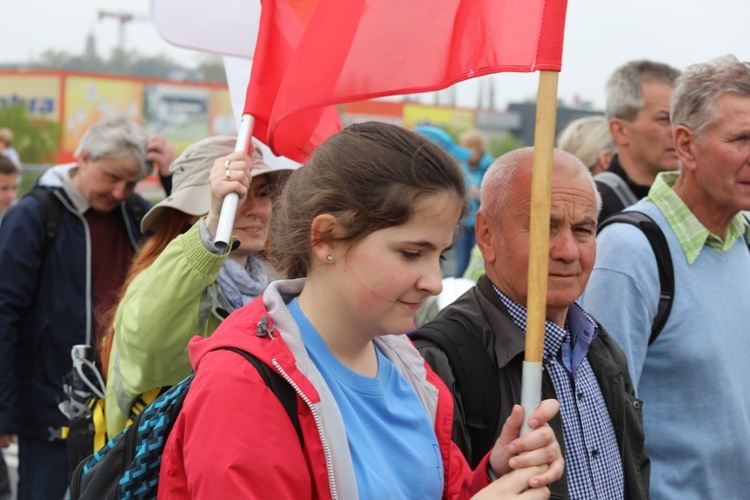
column 166, row 305
column 475, row 269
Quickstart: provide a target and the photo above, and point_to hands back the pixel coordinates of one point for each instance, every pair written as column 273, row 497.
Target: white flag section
column 226, row 27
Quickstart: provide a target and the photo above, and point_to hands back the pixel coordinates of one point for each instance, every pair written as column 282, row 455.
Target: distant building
column 526, row 113
column 183, row 112
column 187, row 111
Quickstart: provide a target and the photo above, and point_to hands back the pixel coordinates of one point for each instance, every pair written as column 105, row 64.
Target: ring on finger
column 226, row 173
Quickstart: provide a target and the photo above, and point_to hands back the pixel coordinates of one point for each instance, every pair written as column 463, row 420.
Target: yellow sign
column 89, row 100
column 39, row 94
column 448, row 118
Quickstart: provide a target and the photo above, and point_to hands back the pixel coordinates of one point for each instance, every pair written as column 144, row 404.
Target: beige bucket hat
column 190, row 178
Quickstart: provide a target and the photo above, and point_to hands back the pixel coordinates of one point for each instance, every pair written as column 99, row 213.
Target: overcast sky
column 599, row 36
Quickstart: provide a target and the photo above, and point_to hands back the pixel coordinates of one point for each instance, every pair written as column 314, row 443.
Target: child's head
column 8, row 183
column 369, row 176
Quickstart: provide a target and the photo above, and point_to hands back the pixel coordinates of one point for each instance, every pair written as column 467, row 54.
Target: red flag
column 314, row 53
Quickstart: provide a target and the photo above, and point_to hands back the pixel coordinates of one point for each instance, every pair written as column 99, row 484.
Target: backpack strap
column 278, row 386
column 146, row 437
column 135, row 207
column 476, row 380
column 660, row 248
column 618, row 185
column 50, row 216
column 143, row 400
column 273, row 380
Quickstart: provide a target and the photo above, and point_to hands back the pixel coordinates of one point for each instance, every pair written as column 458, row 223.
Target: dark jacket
column 481, row 313
column 46, row 307
column 611, row 201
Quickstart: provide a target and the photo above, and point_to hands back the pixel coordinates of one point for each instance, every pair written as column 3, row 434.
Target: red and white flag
column 311, row 54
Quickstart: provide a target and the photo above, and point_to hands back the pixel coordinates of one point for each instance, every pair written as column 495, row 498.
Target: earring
column 330, row 258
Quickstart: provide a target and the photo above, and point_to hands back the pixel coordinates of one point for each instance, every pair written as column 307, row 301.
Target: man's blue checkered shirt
column 592, row 455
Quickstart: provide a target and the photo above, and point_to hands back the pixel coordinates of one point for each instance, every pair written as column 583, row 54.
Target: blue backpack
column 128, row 466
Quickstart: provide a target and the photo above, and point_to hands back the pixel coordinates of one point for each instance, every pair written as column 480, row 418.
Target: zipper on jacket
column 621, row 381
column 318, row 424
column 625, row 405
column 128, row 225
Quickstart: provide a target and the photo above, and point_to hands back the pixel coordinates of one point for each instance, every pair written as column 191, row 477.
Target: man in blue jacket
column 53, row 288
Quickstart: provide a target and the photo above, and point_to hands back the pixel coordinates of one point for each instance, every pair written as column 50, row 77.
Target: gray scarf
column 240, row 285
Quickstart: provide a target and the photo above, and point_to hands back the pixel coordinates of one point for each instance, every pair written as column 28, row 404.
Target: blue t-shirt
column 392, row 441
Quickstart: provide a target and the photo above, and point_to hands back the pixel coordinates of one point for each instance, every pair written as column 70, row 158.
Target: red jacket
column 233, row 438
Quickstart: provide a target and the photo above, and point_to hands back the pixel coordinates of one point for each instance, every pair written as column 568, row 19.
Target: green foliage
column 452, row 131
column 506, row 143
column 210, row 69
column 156, row 67
column 28, row 178
column 35, row 139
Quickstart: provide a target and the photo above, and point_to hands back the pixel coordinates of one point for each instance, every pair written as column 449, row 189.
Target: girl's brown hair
column 369, row 176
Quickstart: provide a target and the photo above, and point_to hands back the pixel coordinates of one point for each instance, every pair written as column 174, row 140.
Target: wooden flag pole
column 229, row 205
column 541, row 191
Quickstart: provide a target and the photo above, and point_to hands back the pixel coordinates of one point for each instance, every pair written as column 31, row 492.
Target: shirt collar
column 580, row 328
column 691, row 234
column 79, row 202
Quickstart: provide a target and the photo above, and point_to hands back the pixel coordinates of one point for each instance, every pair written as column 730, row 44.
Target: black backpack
column 660, row 248
column 128, row 466
column 476, row 381
column 618, row 185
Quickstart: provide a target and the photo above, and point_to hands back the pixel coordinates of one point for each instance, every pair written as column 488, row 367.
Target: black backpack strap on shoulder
column 476, row 381
column 50, row 215
column 136, row 208
column 663, row 261
column 278, row 385
column 618, row 185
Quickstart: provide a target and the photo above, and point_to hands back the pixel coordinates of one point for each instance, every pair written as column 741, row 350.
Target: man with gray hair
column 637, row 109
column 692, row 377
column 56, row 276
column 599, row 426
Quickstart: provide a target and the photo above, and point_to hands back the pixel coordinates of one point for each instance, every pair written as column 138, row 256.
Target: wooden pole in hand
column 541, row 191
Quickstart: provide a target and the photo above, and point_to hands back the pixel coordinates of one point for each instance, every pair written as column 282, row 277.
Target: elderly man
column 599, row 425
column 637, row 109
column 693, row 376
column 53, row 287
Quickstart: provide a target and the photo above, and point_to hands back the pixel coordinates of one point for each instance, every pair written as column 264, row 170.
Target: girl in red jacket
column 359, row 233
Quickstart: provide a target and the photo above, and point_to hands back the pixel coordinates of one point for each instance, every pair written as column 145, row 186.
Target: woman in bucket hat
column 180, row 284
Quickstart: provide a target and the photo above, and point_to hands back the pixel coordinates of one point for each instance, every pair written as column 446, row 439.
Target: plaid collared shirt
column 592, row 454
column 691, row 234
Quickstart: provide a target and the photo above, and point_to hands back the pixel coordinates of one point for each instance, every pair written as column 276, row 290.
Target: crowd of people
column 328, row 265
